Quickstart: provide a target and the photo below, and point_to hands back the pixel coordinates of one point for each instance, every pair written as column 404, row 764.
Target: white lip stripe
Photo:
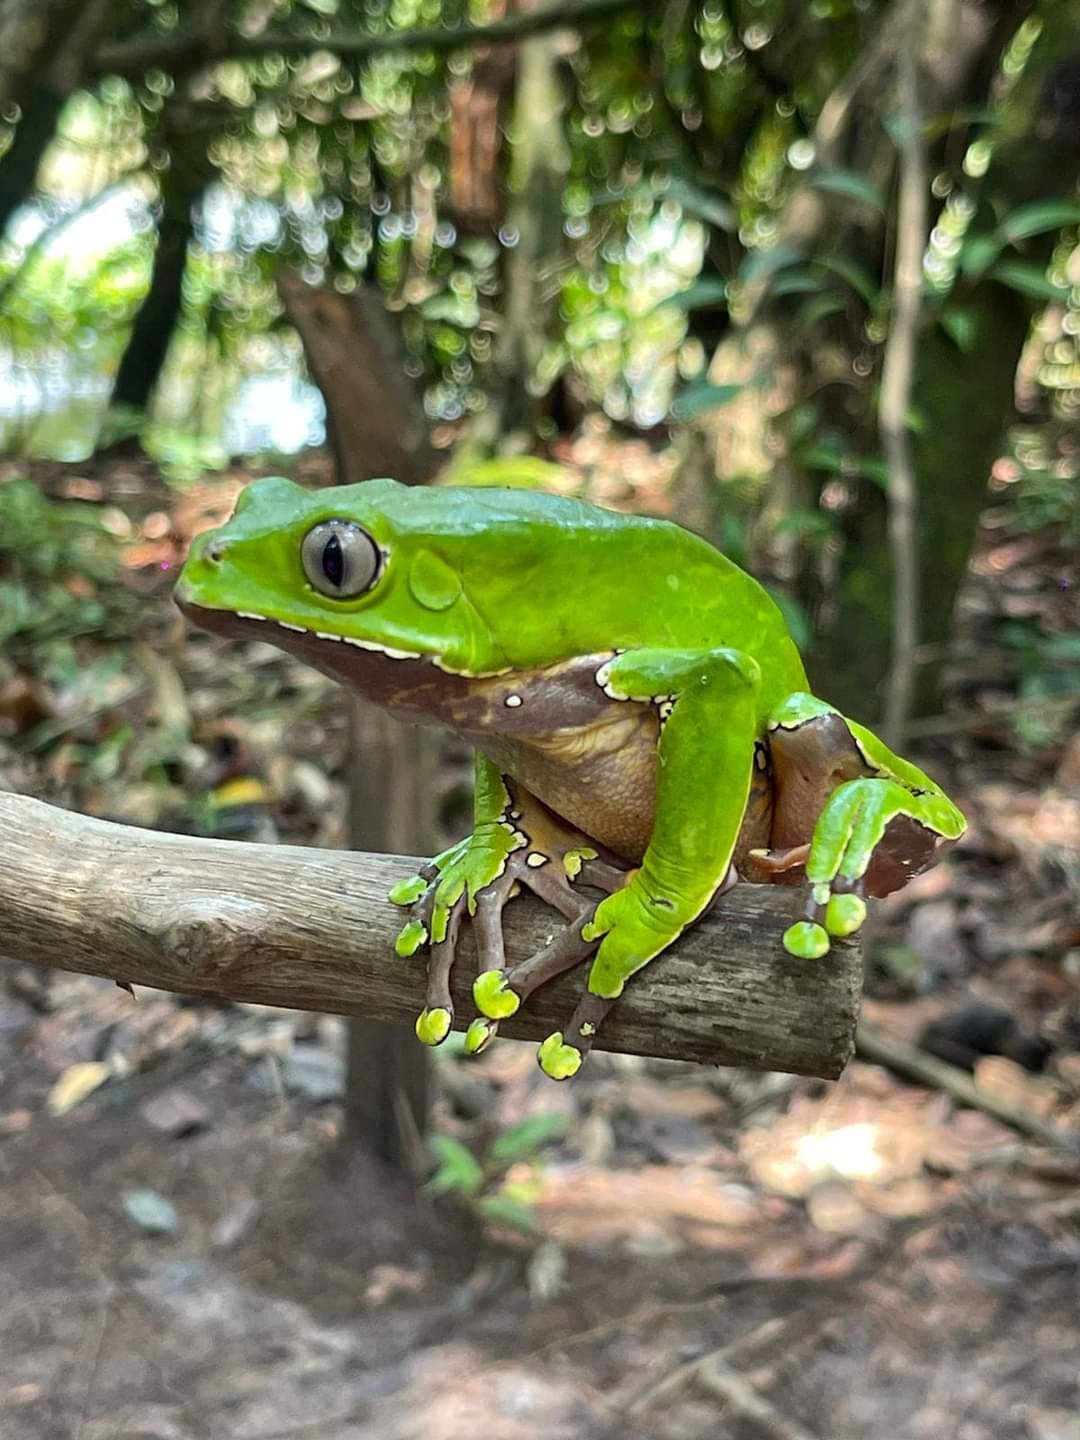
column 249, row 615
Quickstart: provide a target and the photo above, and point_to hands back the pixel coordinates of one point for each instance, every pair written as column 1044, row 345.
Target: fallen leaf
column 151, row 1212
column 1009, row 1082
column 244, row 790
column 835, row 1209
column 75, row 1084
column 175, row 1112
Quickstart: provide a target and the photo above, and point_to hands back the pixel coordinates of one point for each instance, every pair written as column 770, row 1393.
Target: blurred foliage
column 499, row 1187
column 58, row 570
column 693, row 136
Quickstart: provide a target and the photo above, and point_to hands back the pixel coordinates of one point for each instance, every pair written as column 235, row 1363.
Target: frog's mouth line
column 386, row 676
column 234, row 624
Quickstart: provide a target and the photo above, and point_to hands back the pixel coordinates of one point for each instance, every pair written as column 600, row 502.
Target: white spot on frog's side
column 535, row 860
column 299, row 629
column 249, row 615
column 586, row 1028
column 513, row 701
column 322, row 635
column 602, row 677
column 520, row 839
column 761, row 757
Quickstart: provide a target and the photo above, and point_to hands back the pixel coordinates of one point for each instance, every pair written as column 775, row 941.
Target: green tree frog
column 639, row 713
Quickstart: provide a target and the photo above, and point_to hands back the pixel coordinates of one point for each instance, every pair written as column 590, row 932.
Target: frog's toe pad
column 410, row 938
column 407, row 891
column 557, row 1059
column 479, row 1035
column 493, row 995
column 807, row 940
column 844, row 914
column 433, row 1025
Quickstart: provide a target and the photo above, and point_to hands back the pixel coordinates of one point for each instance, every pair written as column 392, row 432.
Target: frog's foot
column 872, row 835
column 835, row 910
column 625, row 926
column 478, row 877
column 560, row 1056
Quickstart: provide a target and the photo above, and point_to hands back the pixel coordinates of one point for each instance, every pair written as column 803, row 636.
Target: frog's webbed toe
column 498, row 990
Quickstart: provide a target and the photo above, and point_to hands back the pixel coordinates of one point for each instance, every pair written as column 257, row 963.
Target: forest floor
column 185, row 1254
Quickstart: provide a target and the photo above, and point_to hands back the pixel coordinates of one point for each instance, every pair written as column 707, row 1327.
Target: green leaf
column 699, row 296
column 505, row 1210
column 961, row 324
column 979, row 253
column 836, row 459
column 806, row 524
column 818, row 308
column 523, row 1140
column 702, row 396
column 707, row 205
column 850, row 184
column 1039, row 217
column 796, row 282
column 1027, row 279
column 458, row 1168
column 761, row 264
column 859, row 278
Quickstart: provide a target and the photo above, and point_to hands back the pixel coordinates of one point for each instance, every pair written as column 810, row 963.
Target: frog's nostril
column 215, row 551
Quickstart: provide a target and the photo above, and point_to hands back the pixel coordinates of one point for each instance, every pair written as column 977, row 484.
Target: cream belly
column 600, row 777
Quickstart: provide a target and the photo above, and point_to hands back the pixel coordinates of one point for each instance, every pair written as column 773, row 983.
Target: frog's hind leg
column 499, row 989
column 861, row 820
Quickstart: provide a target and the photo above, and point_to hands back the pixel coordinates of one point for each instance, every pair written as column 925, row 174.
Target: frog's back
column 556, row 577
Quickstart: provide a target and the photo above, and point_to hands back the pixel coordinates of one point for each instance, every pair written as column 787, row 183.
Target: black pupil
column 333, row 562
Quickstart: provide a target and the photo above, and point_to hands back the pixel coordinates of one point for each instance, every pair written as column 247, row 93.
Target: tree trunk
column 538, row 168
column 964, row 400
column 157, row 316
column 392, row 773
column 374, row 420
column 376, row 427
column 46, row 49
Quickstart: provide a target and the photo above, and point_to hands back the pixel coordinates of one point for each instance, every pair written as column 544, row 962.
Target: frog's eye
column 340, row 559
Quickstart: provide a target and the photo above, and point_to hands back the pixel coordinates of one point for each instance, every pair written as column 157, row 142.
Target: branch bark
column 312, row 930
column 181, row 54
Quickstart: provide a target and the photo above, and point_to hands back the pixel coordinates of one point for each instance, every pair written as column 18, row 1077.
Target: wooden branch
column 190, row 50
column 879, row 1048
column 312, row 930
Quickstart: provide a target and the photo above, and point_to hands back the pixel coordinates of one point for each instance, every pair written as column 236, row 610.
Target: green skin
column 478, row 597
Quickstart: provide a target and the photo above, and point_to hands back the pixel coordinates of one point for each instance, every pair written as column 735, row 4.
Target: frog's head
column 354, row 565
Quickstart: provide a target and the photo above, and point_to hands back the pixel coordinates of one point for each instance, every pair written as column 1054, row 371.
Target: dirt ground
column 874, row 1264
column 186, row 1255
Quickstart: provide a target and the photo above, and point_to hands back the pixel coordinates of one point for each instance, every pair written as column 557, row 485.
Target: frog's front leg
column 871, row 819
column 515, row 842
column 706, row 702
